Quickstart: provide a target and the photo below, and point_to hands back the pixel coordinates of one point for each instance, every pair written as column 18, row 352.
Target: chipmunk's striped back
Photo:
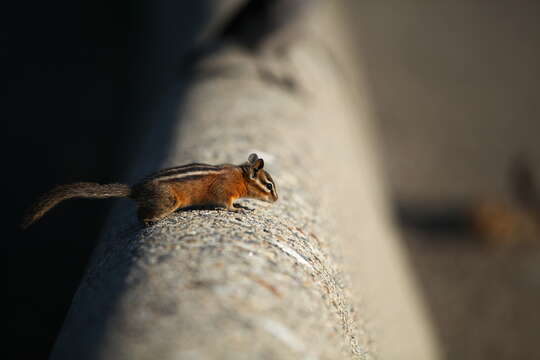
column 187, row 172
column 257, row 181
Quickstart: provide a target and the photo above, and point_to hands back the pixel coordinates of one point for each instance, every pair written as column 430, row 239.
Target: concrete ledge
column 272, row 282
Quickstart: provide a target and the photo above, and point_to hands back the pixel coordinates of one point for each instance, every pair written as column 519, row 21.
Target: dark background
column 79, row 79
column 68, row 78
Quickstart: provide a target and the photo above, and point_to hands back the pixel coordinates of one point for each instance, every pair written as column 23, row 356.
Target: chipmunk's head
column 259, row 183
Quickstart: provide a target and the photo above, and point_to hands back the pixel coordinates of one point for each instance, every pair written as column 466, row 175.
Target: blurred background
column 455, row 87
column 455, row 92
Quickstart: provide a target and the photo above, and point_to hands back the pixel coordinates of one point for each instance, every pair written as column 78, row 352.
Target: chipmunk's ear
column 256, row 164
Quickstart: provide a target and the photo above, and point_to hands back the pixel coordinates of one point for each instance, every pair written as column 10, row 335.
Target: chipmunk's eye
column 269, row 186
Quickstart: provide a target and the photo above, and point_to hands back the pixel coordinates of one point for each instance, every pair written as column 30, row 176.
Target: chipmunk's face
column 260, row 184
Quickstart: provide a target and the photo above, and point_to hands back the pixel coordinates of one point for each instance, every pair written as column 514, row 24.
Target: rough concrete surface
column 317, row 275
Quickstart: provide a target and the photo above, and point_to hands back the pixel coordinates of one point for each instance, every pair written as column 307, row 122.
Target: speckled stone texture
column 271, row 281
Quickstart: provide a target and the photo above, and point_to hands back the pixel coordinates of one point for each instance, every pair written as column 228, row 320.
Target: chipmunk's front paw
column 238, row 207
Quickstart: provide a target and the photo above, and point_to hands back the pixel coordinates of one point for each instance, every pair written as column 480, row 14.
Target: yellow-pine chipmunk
column 163, row 192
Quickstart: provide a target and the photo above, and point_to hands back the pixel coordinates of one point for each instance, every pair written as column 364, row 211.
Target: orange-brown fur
column 218, row 189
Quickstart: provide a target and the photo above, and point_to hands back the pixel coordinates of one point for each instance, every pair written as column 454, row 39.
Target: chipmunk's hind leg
column 155, row 202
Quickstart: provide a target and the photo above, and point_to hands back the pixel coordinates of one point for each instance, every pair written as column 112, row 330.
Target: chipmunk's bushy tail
column 70, row 191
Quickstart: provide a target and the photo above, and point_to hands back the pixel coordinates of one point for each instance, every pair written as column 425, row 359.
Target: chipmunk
column 163, row 192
